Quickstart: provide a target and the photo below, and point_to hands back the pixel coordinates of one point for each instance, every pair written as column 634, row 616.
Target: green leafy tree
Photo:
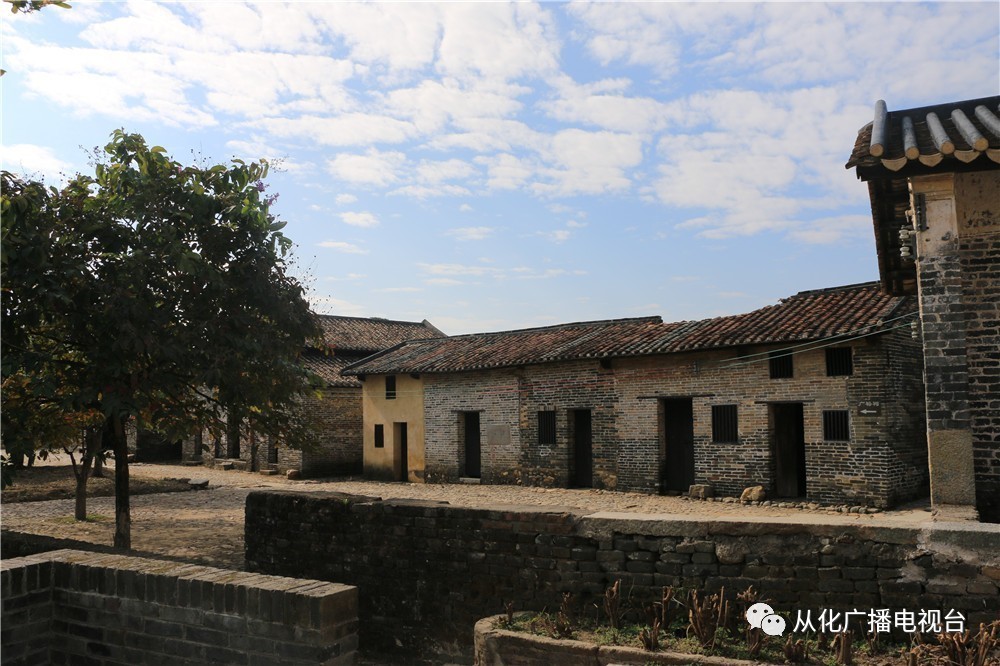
column 156, row 293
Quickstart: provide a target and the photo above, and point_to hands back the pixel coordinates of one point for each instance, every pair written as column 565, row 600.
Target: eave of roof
column 806, row 316
column 953, row 137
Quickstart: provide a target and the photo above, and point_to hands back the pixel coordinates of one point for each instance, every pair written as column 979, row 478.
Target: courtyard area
column 206, row 526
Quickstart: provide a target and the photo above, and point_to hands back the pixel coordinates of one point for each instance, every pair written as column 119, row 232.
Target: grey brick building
column 933, row 174
column 819, row 396
column 336, row 412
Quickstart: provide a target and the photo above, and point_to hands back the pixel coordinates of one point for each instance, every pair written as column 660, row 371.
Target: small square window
column 781, row 365
column 725, row 428
column 836, row 426
column 379, row 436
column 547, row 428
column 839, row 362
column 390, row 387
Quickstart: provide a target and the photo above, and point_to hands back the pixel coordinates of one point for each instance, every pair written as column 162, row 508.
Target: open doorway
column 473, row 446
column 583, row 449
column 788, row 448
column 677, row 468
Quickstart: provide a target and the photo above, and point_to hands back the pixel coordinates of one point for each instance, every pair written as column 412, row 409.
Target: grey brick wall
column 427, row 571
column 980, row 268
column 884, row 463
column 73, row 607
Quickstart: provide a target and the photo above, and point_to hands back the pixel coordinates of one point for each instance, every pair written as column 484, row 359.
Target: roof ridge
column 857, row 286
column 655, row 319
column 382, row 319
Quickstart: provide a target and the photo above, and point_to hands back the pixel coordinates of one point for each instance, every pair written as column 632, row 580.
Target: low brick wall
column 69, row 606
column 427, row 571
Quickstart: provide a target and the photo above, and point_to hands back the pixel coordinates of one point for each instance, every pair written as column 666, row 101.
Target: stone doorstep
column 470, row 480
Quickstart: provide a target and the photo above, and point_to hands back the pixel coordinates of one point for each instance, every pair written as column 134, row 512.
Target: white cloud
column 365, row 219
column 450, row 270
column 589, row 162
column 398, row 290
column 34, row 161
column 336, row 306
column 506, row 171
column 557, row 236
column 832, row 229
column 471, row 233
column 341, row 246
column 344, row 199
column 443, row 282
column 373, row 168
column 465, row 208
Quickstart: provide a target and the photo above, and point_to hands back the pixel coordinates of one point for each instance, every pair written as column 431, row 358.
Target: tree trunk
column 98, row 472
column 80, row 509
column 91, row 443
column 123, row 518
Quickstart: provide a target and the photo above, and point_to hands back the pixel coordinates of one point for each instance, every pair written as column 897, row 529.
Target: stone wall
column 427, row 571
column 73, row 607
column 883, row 463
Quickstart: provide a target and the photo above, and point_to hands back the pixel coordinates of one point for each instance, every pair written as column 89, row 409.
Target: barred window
column 836, row 426
column 390, row 387
column 839, row 362
column 547, row 428
column 724, row 424
column 781, row 365
column 379, row 436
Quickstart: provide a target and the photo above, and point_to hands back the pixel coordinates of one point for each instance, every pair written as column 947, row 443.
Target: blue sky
column 490, row 166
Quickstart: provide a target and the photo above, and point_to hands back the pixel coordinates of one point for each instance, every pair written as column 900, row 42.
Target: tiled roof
column 328, row 367
column 809, row 315
column 958, row 136
column 347, row 340
column 369, row 335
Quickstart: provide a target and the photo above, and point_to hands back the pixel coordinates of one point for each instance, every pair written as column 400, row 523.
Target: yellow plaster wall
column 407, row 407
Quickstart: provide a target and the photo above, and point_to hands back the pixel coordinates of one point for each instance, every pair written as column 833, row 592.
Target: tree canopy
column 153, row 292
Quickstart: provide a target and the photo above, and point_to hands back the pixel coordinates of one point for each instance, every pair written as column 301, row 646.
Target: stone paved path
column 207, row 525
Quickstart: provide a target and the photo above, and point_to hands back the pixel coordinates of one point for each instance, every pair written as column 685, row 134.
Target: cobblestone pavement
column 207, row 525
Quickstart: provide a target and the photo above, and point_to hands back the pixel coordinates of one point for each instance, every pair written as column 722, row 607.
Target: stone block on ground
column 701, row 491
column 753, row 494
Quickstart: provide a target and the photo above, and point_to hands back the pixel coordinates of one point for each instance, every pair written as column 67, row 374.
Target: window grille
column 547, row 428
column 836, row 426
column 781, row 365
column 839, row 362
column 390, row 387
column 724, row 424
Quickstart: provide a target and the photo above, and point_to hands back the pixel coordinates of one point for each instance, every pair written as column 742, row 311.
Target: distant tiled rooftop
column 371, row 334
column 930, row 139
column 347, row 340
column 809, row 315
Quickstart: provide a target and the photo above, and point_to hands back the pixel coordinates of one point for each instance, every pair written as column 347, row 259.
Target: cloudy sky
column 490, row 166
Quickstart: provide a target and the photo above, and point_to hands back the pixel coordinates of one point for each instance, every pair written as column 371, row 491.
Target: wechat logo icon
column 761, row 616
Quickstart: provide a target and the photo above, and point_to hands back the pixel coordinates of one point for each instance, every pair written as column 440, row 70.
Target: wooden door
column 401, row 456
column 473, row 446
column 583, row 449
column 678, row 436
column 788, row 447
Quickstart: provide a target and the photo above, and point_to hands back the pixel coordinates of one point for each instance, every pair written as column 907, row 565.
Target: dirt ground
column 206, row 526
column 51, row 482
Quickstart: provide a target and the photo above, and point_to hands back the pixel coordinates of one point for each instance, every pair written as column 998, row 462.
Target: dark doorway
column 401, row 455
column 473, row 446
column 788, row 446
column 583, row 449
column 678, row 438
